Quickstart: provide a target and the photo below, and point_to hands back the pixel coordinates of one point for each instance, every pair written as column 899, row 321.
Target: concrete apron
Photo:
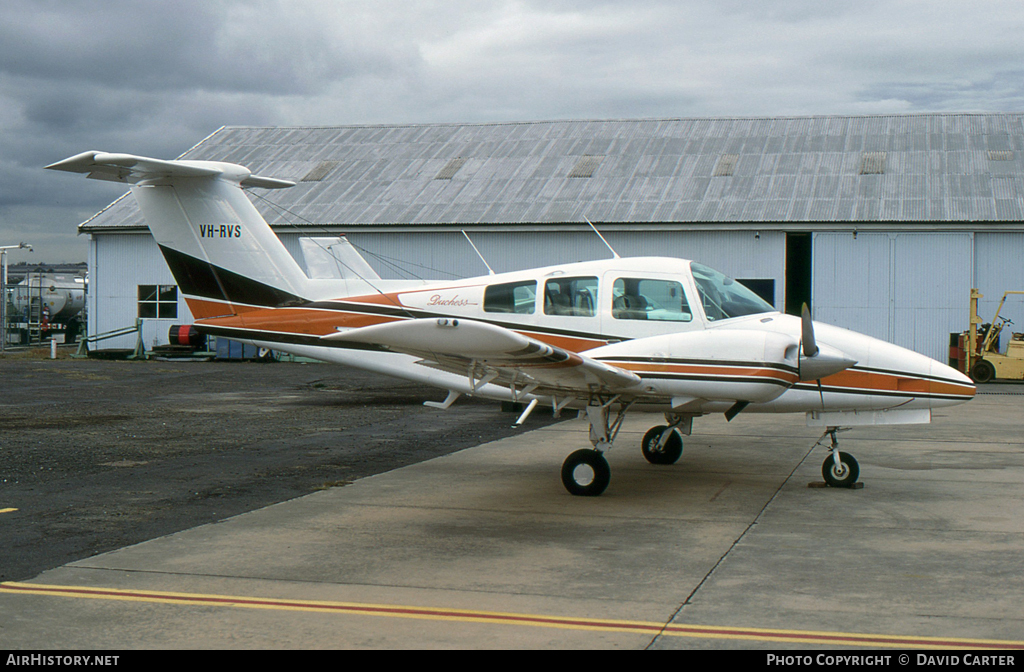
column 483, row 548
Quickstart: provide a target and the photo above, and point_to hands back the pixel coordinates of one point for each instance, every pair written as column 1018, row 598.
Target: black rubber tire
column 982, row 371
column 673, row 446
column 583, row 482
column 844, row 477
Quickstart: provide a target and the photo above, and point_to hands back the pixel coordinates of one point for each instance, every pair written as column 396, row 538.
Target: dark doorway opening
column 799, row 248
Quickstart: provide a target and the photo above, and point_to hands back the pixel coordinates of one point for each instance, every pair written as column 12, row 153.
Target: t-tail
column 222, row 253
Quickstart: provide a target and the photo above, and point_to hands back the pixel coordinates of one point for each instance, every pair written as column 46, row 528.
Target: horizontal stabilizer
column 335, row 258
column 130, row 168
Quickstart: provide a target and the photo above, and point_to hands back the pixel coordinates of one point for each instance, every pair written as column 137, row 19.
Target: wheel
column 982, row 371
column 669, row 454
column 843, row 476
column 586, row 473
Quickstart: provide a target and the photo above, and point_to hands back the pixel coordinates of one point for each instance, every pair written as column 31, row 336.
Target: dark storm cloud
column 151, row 78
column 176, row 46
column 154, row 78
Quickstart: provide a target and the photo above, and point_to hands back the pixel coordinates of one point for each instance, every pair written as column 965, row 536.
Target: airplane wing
column 489, row 353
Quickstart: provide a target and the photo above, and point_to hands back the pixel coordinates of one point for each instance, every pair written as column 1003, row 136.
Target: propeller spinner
column 818, row 361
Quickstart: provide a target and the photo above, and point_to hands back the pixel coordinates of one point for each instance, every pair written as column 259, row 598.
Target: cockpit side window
column 723, row 297
column 575, row 297
column 512, row 297
column 647, row 299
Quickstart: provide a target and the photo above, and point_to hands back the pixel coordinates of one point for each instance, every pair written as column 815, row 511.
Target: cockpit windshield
column 723, row 297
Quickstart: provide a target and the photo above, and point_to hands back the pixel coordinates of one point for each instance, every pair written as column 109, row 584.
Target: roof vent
column 872, row 163
column 1000, row 155
column 320, row 172
column 726, row 165
column 450, row 168
column 586, row 166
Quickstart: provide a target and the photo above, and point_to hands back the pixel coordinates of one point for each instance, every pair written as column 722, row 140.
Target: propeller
column 817, row 362
column 810, row 346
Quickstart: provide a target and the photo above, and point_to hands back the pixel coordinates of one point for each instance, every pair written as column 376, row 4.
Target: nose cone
column 949, row 386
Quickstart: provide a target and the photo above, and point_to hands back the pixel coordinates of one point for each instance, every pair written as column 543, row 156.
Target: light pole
column 3, row 289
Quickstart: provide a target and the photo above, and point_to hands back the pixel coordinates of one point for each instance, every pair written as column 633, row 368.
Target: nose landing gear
column 840, row 470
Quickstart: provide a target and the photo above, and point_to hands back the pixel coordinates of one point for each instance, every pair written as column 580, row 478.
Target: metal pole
column 3, row 289
column 3, row 301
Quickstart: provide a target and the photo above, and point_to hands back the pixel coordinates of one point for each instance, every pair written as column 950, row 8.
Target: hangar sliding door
column 906, row 288
column 852, row 282
column 998, row 269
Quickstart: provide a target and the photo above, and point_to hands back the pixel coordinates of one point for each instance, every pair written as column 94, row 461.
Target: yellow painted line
column 501, row 618
column 7, row 510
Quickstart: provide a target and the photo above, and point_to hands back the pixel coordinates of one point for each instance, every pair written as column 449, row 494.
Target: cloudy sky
column 154, row 78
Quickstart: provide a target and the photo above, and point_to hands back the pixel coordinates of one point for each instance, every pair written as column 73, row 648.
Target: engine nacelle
column 717, row 364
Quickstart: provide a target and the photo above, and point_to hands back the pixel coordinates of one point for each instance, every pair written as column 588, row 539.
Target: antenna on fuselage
column 490, row 271
column 614, row 253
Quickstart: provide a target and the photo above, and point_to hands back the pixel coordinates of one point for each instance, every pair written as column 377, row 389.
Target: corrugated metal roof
column 929, row 167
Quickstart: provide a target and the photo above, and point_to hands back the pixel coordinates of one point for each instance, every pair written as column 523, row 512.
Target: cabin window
column 158, row 301
column 576, row 297
column 645, row 299
column 513, row 297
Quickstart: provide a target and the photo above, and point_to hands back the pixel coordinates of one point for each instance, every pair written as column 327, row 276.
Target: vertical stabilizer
column 223, row 254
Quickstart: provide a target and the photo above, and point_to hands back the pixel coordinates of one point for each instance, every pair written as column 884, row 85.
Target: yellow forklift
column 982, row 359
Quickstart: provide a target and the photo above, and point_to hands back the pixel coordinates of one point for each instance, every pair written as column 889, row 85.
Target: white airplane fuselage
column 708, row 373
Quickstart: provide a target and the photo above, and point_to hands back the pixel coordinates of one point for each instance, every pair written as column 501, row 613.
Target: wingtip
column 76, row 162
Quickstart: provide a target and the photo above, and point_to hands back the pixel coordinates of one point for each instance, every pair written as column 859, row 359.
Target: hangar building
column 882, row 223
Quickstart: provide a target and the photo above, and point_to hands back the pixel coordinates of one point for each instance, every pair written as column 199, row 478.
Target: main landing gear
column 586, row 472
column 840, row 470
column 662, row 445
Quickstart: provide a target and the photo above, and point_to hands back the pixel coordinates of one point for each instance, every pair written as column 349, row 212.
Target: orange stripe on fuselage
column 203, row 309
column 885, row 382
column 709, row 370
column 319, row 322
column 300, row 321
column 377, row 300
column 570, row 343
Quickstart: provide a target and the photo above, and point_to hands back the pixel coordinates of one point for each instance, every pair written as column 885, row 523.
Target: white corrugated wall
column 118, row 264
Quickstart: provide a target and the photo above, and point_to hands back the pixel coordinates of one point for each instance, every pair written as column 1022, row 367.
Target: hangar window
column 512, row 297
column 159, row 301
column 643, row 299
column 763, row 287
column 575, row 297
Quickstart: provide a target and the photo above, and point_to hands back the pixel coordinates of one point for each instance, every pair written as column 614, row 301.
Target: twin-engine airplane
column 605, row 337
